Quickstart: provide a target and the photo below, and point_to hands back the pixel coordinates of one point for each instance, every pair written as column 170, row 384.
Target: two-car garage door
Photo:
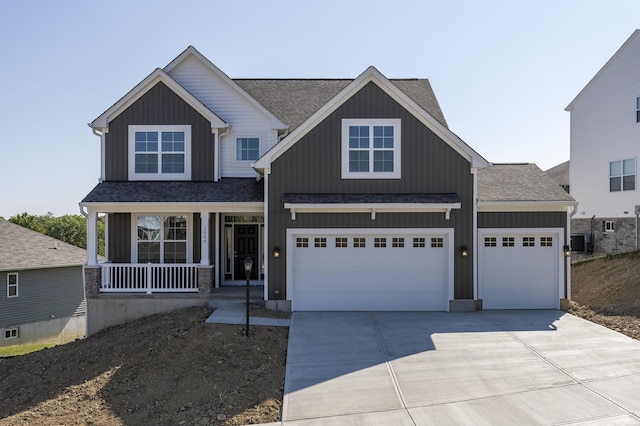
column 370, row 269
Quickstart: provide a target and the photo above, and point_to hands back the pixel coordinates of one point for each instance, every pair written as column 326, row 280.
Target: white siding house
column 605, row 146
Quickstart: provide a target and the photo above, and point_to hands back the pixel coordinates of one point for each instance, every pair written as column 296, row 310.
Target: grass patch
column 18, row 350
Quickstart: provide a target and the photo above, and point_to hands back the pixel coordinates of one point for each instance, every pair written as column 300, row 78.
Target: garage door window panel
column 302, row 242
column 380, row 242
column 490, row 242
column 359, row 242
column 320, row 242
column 437, row 242
column 508, row 241
column 528, row 241
column 546, row 241
column 397, row 242
column 342, row 242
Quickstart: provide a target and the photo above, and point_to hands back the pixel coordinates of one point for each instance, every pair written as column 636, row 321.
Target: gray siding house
column 41, row 288
column 348, row 194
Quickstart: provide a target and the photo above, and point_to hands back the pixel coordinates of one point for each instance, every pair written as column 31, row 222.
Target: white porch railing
column 149, row 278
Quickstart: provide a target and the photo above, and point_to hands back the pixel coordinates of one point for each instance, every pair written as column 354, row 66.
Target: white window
column 247, row 149
column 159, row 152
column 162, row 239
column 302, row 242
column 622, row 175
column 608, row 226
column 371, row 148
column 11, row 333
column 12, row 285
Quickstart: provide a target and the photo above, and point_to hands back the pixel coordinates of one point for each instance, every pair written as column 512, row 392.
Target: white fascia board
column 102, row 122
column 275, row 122
column 30, row 268
column 522, row 206
column 252, row 207
column 601, row 71
column 371, row 74
column 367, row 207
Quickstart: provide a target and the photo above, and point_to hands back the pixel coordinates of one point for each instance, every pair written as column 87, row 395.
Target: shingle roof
column 560, row 173
column 518, row 182
column 22, row 248
column 225, row 190
column 295, row 100
column 371, row 198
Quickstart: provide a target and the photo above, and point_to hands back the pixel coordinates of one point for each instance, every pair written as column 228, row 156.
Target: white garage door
column 369, row 270
column 520, row 269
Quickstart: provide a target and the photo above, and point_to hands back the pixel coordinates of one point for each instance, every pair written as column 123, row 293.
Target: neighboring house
column 347, row 194
column 605, row 136
column 41, row 288
column 561, row 175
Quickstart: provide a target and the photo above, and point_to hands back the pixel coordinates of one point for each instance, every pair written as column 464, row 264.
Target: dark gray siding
column 429, row 165
column 160, row 106
column 42, row 294
column 119, row 238
column 522, row 220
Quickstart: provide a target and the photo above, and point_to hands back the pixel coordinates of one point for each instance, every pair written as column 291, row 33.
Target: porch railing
column 149, row 278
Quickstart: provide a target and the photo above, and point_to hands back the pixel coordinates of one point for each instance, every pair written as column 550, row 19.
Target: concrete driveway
column 490, row 367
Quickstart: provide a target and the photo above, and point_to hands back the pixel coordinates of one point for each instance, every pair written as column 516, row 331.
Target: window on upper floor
column 12, row 284
column 247, row 149
column 622, row 175
column 371, row 148
column 159, row 152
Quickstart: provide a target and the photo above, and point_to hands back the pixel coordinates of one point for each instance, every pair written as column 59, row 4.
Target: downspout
column 216, row 153
column 100, row 134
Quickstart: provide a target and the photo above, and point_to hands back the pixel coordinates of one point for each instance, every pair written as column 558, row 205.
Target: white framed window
column 247, row 149
column 419, row 242
column 608, row 226
column 359, row 242
column 380, row 242
column 622, row 175
column 162, row 239
column 341, row 242
column 12, row 284
column 397, row 242
column 11, row 333
column 159, row 152
column 302, row 242
column 320, row 242
column 546, row 241
column 371, row 148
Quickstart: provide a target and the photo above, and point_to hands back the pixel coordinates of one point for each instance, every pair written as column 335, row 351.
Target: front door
column 246, row 244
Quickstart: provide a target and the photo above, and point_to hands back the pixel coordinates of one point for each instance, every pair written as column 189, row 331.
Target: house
column 605, row 130
column 561, row 175
column 347, row 194
column 41, row 283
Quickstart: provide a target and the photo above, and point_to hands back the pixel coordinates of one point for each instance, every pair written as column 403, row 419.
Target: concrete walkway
column 490, row 367
column 234, row 312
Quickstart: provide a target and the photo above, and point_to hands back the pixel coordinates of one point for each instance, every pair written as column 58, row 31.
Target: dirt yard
column 167, row 369
column 173, row 369
column 607, row 291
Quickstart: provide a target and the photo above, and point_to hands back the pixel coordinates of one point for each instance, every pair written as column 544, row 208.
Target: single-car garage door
column 520, row 268
column 369, row 270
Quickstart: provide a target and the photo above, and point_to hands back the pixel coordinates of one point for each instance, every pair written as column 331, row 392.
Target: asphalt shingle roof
column 371, row 198
column 518, row 182
column 225, row 190
column 560, row 173
column 22, row 248
column 295, row 100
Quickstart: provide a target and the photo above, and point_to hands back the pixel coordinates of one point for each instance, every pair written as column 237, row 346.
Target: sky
column 502, row 70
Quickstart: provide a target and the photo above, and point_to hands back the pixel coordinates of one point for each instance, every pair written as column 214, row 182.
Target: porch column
column 92, row 238
column 204, row 239
column 216, row 249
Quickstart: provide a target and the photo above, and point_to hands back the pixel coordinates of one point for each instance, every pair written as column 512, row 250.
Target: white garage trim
column 518, row 233
column 447, row 233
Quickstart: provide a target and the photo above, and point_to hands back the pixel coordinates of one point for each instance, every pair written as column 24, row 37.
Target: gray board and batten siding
column 428, row 165
column 522, row 220
column 43, row 294
column 159, row 106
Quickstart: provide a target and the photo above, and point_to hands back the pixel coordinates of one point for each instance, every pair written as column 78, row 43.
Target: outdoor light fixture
column 276, row 252
column 464, row 252
column 248, row 267
column 567, row 251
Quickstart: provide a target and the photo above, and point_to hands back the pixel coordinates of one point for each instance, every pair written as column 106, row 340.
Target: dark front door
column 246, row 244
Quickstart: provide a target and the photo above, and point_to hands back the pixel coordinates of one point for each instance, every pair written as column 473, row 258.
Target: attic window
column 371, row 148
column 159, row 152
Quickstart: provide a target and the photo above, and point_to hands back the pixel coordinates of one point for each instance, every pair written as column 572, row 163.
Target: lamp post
column 248, row 267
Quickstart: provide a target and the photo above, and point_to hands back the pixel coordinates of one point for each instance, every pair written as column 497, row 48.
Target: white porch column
column 216, row 250
column 204, row 239
column 92, row 238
